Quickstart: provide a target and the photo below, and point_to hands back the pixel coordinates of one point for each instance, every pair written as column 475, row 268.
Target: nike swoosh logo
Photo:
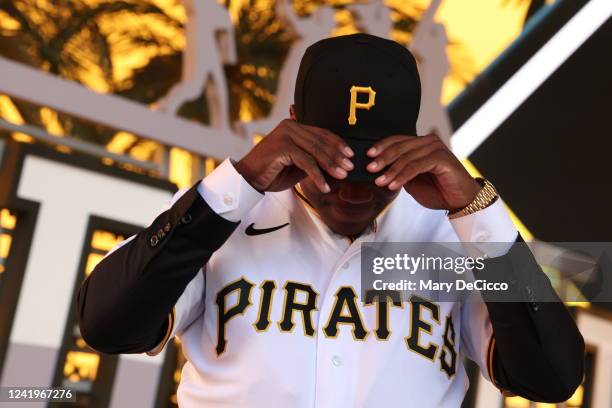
column 252, row 231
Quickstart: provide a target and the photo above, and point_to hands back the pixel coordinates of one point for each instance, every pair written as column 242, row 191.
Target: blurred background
column 107, row 107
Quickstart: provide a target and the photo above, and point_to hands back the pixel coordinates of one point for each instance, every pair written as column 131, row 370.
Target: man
column 257, row 267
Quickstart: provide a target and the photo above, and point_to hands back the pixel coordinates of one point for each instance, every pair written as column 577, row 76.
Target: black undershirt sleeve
column 124, row 304
column 538, row 352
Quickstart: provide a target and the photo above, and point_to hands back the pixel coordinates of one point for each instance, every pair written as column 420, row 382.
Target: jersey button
column 345, row 265
column 337, row 361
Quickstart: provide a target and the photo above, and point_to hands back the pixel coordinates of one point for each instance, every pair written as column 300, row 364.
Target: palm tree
column 262, row 45
column 79, row 40
column 73, row 38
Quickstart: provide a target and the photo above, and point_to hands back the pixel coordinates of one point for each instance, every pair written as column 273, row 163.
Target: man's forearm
column 538, row 351
column 124, row 304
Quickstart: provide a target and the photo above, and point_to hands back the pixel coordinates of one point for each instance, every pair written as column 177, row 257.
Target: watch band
column 485, row 197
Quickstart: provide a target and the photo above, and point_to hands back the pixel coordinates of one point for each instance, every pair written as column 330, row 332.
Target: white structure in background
column 373, row 18
column 209, row 36
column 307, row 31
column 429, row 43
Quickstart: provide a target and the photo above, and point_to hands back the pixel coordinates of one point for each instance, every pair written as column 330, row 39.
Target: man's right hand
column 292, row 152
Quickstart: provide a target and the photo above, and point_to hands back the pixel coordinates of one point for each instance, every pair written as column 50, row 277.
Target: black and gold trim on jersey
column 490, row 349
column 169, row 327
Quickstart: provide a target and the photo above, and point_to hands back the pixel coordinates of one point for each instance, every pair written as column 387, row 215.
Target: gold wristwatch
column 485, row 197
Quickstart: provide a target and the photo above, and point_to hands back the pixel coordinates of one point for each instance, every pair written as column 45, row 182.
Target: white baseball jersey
column 277, row 320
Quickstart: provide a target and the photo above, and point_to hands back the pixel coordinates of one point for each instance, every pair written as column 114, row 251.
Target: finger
column 331, row 144
column 328, row 155
column 332, row 138
column 399, row 149
column 309, row 166
column 396, row 167
column 411, row 170
column 383, row 144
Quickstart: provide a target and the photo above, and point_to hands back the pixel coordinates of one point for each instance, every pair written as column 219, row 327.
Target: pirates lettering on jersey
column 265, row 305
column 345, row 297
column 301, row 299
column 224, row 315
column 448, row 350
column 292, row 305
column 380, row 299
column 418, row 325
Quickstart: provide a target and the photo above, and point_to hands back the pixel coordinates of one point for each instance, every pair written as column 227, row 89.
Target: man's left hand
column 426, row 168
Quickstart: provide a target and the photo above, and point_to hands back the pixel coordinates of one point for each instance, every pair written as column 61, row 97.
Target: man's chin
column 351, row 215
column 349, row 226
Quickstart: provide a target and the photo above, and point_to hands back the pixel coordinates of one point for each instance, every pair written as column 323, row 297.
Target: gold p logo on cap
column 355, row 90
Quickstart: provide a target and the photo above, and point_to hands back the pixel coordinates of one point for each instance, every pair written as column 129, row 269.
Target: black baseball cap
column 381, row 78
